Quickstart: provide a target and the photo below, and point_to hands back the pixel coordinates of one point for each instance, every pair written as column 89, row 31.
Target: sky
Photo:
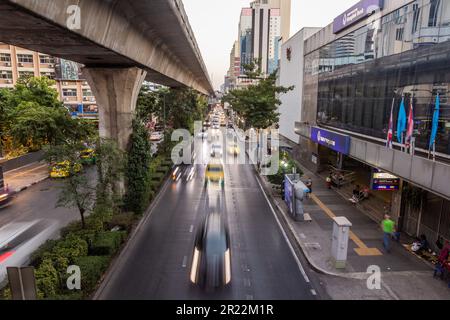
column 215, row 25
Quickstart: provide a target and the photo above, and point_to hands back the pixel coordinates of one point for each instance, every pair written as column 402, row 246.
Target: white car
column 216, row 150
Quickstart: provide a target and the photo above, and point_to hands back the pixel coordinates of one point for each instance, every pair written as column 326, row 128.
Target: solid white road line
column 299, row 264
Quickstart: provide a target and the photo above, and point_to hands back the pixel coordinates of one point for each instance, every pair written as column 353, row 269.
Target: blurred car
column 156, row 136
column 62, row 169
column 88, row 156
column 211, row 262
column 202, row 135
column 216, row 150
column 234, row 149
column 215, row 174
column 5, row 198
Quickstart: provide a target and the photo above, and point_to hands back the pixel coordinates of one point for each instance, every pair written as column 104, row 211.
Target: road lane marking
column 249, row 297
column 302, row 235
column 184, row 262
column 247, row 283
column 191, row 229
column 299, row 264
column 314, row 293
column 25, row 172
column 362, row 249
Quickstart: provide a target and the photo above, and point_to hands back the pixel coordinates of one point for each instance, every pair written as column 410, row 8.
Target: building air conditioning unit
column 9, row 81
column 8, row 64
column 20, row 64
column 85, row 98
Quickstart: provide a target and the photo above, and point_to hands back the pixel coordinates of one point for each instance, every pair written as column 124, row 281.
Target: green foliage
column 32, row 116
column 110, row 169
column 107, row 243
column 137, row 178
column 47, row 279
column 123, row 220
column 258, row 104
column 92, row 267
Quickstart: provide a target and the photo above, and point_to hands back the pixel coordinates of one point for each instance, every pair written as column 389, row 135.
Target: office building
column 73, row 90
column 358, row 69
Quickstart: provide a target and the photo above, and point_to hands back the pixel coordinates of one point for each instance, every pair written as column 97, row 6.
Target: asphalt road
column 156, row 262
column 34, row 206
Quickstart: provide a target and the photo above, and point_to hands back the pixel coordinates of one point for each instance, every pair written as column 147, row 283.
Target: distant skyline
column 215, row 25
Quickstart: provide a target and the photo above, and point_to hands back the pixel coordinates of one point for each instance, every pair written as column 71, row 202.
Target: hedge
column 107, row 243
column 92, row 268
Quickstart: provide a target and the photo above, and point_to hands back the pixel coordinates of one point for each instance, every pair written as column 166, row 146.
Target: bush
column 37, row 256
column 107, row 243
column 47, row 280
column 70, row 228
column 92, row 268
column 123, row 220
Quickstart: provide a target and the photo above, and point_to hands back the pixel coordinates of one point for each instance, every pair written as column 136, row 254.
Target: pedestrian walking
column 329, row 180
column 388, row 227
column 309, row 185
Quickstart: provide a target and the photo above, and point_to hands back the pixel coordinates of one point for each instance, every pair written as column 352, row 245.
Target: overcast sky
column 215, row 25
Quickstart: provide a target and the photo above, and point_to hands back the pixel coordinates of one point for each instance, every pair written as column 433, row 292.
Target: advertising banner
column 383, row 181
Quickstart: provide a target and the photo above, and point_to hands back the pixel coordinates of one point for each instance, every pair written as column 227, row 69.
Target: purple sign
column 359, row 11
column 335, row 141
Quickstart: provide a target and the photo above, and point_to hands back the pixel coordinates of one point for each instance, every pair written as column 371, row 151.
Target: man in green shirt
column 388, row 227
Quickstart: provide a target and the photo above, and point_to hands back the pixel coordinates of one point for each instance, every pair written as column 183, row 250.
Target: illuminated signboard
column 358, row 12
column 384, row 181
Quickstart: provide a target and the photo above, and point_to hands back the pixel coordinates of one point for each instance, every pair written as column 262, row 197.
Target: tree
column 138, row 169
column 32, row 116
column 110, row 170
column 258, row 104
column 76, row 191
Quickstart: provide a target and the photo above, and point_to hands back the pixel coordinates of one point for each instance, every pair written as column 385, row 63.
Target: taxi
column 88, row 156
column 215, row 174
column 62, row 169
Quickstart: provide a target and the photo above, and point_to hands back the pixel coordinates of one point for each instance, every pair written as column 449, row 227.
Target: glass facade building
column 351, row 83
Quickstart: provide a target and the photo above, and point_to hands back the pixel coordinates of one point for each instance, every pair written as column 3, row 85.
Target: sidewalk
column 24, row 177
column 403, row 275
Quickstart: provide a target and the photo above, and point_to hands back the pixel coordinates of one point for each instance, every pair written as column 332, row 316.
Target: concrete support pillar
column 116, row 91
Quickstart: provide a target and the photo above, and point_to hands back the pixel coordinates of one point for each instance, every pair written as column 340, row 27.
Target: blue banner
column 335, row 141
column 435, row 122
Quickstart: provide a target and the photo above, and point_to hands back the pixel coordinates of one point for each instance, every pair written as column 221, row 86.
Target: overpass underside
column 120, row 43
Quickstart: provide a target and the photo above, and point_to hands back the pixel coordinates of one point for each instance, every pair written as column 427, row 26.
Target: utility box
column 294, row 194
column 339, row 246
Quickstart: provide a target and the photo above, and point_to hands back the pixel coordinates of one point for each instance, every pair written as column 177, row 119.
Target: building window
column 5, row 57
column 69, row 92
column 399, row 34
column 44, row 59
column 26, row 74
column 416, row 17
column 87, row 93
column 7, row 75
column 434, row 11
column 50, row 75
column 25, row 58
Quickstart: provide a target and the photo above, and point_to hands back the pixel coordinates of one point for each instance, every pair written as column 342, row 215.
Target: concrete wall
column 291, row 74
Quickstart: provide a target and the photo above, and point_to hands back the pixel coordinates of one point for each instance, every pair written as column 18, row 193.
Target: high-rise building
column 262, row 28
column 73, row 90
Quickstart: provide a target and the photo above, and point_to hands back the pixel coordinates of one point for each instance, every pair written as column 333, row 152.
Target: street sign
column 22, row 283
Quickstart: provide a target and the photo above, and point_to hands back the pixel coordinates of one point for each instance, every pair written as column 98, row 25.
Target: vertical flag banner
column 410, row 129
column 401, row 122
column 435, row 122
column 390, row 135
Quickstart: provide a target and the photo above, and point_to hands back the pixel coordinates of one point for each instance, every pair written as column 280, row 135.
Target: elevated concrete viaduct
column 120, row 43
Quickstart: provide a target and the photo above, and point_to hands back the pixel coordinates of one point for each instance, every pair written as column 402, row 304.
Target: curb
column 30, row 185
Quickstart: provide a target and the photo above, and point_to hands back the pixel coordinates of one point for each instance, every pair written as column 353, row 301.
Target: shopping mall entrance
column 349, row 176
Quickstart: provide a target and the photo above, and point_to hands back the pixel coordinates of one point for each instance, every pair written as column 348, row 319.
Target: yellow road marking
column 362, row 249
